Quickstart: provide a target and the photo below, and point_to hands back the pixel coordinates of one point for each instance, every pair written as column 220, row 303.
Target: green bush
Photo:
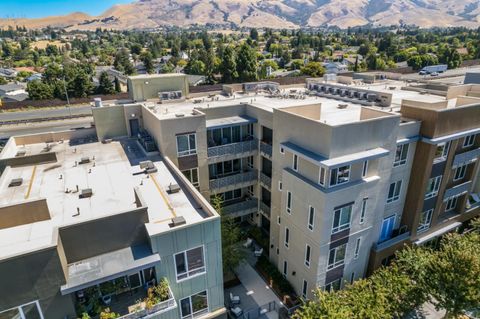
column 285, row 288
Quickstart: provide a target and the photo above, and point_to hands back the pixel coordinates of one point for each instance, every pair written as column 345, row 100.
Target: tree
column 81, row 85
column 313, row 69
column 254, row 34
column 38, row 90
column 105, row 85
column 118, row 88
column 232, row 254
column 147, row 60
column 228, row 65
column 122, row 62
column 247, row 63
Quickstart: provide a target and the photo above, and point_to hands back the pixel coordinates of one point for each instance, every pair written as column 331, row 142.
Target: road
column 52, row 126
column 57, row 112
column 446, row 74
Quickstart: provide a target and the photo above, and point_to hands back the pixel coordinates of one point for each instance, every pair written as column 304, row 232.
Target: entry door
column 134, row 127
column 387, row 228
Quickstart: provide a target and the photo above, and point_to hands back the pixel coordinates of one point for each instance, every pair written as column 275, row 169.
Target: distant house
column 8, row 73
column 335, row 67
column 33, row 77
column 13, row 92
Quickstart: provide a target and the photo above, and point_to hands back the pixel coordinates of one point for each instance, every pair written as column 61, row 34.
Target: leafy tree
column 232, row 254
column 122, row 62
column 195, row 67
column 254, row 34
column 3, row 81
column 118, row 88
column 228, row 65
column 147, row 60
column 136, row 48
column 105, row 85
column 247, row 63
column 38, row 90
column 81, row 85
column 313, row 69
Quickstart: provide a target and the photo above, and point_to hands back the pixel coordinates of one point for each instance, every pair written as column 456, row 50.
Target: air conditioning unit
column 15, row 182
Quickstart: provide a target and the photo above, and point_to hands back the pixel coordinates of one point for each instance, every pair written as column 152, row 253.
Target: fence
column 260, row 311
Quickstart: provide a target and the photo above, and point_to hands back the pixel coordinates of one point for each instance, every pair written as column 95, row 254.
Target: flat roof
column 114, row 176
column 152, row 76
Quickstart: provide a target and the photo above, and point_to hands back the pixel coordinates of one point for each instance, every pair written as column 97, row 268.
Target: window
column 333, row 286
column 460, row 172
column 394, row 191
column 228, row 195
column 280, row 185
column 433, row 186
column 282, row 150
column 321, row 179
column 311, row 217
column 307, row 256
column 401, row 155
column 365, row 169
column 29, row 310
column 451, row 203
column 357, row 247
column 186, row 145
column 340, row 175
column 295, row 162
column 441, row 152
column 287, row 236
column 425, row 220
column 352, row 277
column 278, row 220
column 227, row 135
column 289, row 202
column 304, row 289
column 194, row 306
column 336, row 257
column 192, row 176
column 285, row 268
column 363, row 211
column 469, row 140
column 226, row 168
column 387, row 228
column 189, row 263
column 341, row 218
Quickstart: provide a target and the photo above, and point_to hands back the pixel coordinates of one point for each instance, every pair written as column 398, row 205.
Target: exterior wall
column 110, row 122
column 170, row 243
column 143, row 88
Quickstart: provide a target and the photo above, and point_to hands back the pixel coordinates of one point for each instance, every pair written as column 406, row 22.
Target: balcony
column 264, row 209
column 391, row 242
column 239, row 180
column 265, row 180
column 242, row 208
column 140, row 310
column 466, row 157
column 266, row 149
column 457, row 190
column 233, row 150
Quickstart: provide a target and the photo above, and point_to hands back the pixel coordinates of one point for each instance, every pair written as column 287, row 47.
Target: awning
column 407, row 140
column 450, row 137
column 230, row 121
column 355, row 157
column 437, row 233
column 109, row 266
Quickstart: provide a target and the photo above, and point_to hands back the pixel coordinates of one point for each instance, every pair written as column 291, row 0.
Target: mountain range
column 150, row 14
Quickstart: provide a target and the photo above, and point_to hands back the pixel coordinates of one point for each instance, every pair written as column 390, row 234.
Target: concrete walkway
column 256, row 287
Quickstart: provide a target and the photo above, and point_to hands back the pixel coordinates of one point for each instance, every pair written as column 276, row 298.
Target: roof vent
column 84, row 160
column 179, row 114
column 21, row 153
column 342, row 106
column 86, row 193
column 146, row 165
column 173, row 188
column 177, row 221
column 15, row 182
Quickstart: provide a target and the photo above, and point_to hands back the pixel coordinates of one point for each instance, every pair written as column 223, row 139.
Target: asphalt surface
column 57, row 112
column 446, row 74
column 7, row 131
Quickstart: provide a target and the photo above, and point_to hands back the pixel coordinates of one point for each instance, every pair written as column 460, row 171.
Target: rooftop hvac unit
column 85, row 193
column 177, row 221
column 84, row 160
column 21, row 153
column 173, row 188
column 351, row 94
column 371, row 97
column 15, row 182
column 146, row 165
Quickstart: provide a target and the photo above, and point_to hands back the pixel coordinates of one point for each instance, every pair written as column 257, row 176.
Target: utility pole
column 66, row 95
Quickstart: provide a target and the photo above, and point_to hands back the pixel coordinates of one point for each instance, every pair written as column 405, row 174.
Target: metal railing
column 266, row 149
column 465, row 157
column 242, row 208
column 391, row 241
column 265, row 209
column 265, row 180
column 260, row 311
column 156, row 309
column 457, row 190
column 233, row 148
column 236, row 179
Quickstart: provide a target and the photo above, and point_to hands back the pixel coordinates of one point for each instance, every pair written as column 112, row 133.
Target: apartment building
column 333, row 173
column 86, row 226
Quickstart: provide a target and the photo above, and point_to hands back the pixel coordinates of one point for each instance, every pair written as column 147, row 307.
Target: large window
column 228, row 135
column 186, row 144
column 336, row 257
column 394, row 191
column 387, row 228
column 194, row 306
column 189, row 263
column 311, row 217
column 225, row 168
column 451, row 203
column 341, row 218
column 289, row 202
column 469, row 140
column 340, row 175
column 460, row 172
column 425, row 220
column 192, row 176
column 363, row 212
column 401, row 155
column 433, row 186
column 307, row 255
column 441, row 152
column 228, row 195
column 27, row 311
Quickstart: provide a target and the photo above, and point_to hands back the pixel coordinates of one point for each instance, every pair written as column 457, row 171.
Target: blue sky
column 42, row 8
